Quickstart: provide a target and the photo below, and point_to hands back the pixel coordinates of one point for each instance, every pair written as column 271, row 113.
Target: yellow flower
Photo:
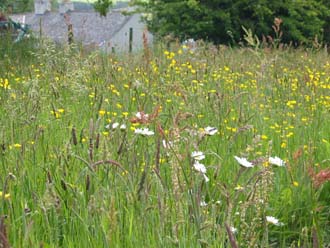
column 238, row 187
column 132, row 128
column 265, row 164
column 102, row 112
column 289, row 134
column 6, row 196
column 6, row 84
column 291, row 104
column 56, row 114
column 295, row 183
column 17, row 145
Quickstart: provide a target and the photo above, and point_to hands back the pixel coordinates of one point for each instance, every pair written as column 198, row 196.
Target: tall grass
column 73, row 176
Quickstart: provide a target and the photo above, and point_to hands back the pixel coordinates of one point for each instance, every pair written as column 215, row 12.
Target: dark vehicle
column 14, row 29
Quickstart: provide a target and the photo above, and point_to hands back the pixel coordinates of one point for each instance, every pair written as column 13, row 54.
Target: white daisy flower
column 274, row 221
column 197, row 155
column 199, row 167
column 233, row 229
column 244, row 162
column 167, row 144
column 276, row 161
column 122, row 126
column 210, row 131
column 115, row 125
column 139, row 115
column 206, row 178
column 202, row 169
column 203, row 204
column 144, row 131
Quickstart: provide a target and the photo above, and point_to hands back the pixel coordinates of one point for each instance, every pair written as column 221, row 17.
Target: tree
column 221, row 21
column 102, row 6
column 16, row 6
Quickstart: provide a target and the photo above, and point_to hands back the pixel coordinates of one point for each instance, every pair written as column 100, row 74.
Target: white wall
column 120, row 41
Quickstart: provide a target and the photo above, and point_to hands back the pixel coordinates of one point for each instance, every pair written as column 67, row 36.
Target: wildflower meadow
column 174, row 146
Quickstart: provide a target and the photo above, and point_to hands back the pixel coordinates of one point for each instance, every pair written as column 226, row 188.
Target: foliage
column 221, row 21
column 16, row 6
column 102, row 6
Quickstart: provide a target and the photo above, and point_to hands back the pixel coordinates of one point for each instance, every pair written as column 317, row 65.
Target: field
column 93, row 1
column 170, row 147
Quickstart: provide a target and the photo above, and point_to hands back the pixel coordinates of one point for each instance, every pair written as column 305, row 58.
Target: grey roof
column 88, row 27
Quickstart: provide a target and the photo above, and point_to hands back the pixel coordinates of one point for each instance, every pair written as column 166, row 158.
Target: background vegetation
column 221, row 21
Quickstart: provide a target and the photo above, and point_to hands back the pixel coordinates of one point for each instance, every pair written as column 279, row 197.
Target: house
column 109, row 33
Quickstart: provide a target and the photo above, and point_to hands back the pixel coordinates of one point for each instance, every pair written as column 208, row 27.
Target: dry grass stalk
column 88, row 182
column 4, row 243
column 91, row 136
column 178, row 182
column 231, row 236
column 74, row 136
column 255, row 206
